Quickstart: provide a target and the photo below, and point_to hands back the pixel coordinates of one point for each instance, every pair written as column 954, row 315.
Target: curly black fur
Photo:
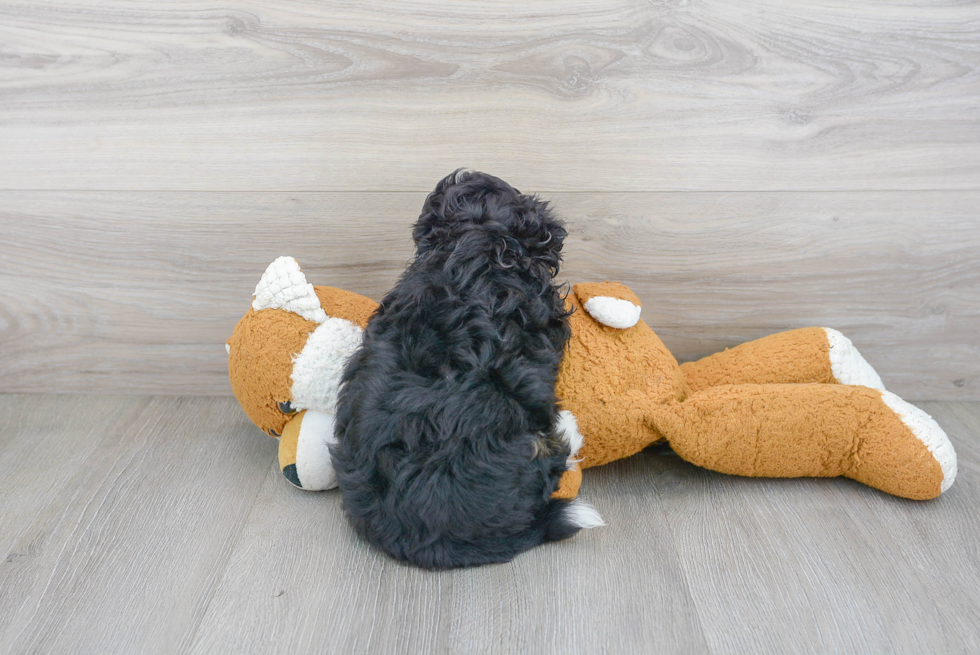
column 448, row 450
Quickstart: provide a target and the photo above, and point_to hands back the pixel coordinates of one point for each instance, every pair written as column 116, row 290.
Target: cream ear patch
column 283, row 286
column 614, row 312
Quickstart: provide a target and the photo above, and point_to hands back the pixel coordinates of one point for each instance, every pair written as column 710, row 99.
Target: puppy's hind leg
column 579, row 512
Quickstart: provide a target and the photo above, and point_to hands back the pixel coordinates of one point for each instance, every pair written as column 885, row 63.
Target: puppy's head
column 474, row 216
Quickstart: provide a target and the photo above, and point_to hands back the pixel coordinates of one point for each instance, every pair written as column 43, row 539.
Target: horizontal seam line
column 536, row 192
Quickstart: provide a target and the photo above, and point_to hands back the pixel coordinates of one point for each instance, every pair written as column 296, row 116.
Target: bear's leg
column 812, row 430
column 614, row 428
column 794, row 357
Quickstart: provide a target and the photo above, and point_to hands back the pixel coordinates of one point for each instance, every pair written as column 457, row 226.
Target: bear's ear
column 283, row 286
column 610, row 303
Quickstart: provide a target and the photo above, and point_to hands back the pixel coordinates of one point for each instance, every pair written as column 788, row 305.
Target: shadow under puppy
column 450, row 443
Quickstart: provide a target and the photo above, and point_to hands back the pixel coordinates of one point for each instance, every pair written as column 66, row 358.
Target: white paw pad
column 847, row 364
column 926, row 430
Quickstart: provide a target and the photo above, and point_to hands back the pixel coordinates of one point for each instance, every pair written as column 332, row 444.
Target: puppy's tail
column 560, row 519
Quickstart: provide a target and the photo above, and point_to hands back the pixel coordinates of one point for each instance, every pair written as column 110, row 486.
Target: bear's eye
column 287, row 408
column 273, row 433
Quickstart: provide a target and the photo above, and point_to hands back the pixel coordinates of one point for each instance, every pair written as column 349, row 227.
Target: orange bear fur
column 768, row 408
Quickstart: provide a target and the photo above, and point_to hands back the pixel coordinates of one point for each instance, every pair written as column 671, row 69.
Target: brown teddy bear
column 802, row 403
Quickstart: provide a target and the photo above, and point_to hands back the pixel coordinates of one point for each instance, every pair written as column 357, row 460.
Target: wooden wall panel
column 560, row 96
column 746, row 169
column 136, row 291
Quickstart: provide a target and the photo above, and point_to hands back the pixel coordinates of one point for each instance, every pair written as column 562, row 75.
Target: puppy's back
column 444, row 484
column 448, row 446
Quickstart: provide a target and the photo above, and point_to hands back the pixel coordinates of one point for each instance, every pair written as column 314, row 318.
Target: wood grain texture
column 744, row 168
column 943, row 553
column 119, row 547
column 627, row 95
column 34, row 438
column 300, row 581
column 817, row 566
column 820, row 581
column 140, row 524
column 137, row 291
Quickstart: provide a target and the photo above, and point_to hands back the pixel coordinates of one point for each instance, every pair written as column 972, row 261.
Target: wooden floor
column 745, row 168
column 161, row 524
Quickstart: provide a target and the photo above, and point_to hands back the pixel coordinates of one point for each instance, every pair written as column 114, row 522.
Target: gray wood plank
column 940, row 544
column 628, row 95
column 827, row 565
column 136, row 291
column 40, row 455
column 162, row 525
column 299, row 580
column 125, row 557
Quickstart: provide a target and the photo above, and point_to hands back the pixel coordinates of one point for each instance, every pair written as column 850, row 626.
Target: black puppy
column 450, row 442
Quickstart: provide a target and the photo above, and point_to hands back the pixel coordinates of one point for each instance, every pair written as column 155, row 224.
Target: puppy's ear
column 433, row 225
column 541, row 233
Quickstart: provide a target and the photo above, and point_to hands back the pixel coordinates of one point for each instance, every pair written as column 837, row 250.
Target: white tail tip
column 583, row 515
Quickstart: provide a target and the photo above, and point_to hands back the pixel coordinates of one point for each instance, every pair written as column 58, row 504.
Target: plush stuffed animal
column 802, row 403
